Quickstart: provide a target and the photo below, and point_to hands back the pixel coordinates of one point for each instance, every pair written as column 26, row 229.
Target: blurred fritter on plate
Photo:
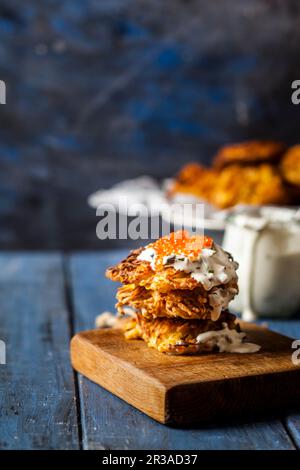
column 251, row 173
column 242, row 176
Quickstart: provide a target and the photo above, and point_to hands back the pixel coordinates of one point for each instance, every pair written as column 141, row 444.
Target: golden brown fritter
column 187, row 304
column 172, row 308
column 290, row 166
column 257, row 185
column 194, row 179
column 133, row 271
column 156, row 290
column 176, row 336
column 249, row 153
column 130, row 270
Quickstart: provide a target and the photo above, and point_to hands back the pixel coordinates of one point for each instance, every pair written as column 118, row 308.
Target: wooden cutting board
column 190, row 389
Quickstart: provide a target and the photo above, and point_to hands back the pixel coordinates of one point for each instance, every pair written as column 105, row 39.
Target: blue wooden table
column 44, row 299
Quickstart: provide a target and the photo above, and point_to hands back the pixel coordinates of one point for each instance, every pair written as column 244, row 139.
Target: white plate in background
column 147, row 192
column 152, row 195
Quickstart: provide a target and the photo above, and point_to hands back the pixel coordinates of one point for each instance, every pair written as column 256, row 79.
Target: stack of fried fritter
column 178, row 289
column 254, row 172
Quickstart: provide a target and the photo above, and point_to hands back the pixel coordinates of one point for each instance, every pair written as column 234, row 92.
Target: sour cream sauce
column 213, row 267
column 227, row 340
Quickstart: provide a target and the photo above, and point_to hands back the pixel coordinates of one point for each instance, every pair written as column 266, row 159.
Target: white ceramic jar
column 267, row 247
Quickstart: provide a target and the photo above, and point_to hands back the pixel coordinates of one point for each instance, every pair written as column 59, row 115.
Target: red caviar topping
column 180, row 243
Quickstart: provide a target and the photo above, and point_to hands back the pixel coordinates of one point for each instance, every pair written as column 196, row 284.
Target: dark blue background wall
column 98, row 91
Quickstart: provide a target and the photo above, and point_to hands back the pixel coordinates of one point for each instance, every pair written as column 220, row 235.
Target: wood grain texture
column 190, row 389
column 37, row 395
column 109, row 423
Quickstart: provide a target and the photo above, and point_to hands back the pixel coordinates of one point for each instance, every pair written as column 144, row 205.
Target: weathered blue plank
column 37, row 393
column 286, row 327
column 93, row 292
column 110, row 423
column 290, row 328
